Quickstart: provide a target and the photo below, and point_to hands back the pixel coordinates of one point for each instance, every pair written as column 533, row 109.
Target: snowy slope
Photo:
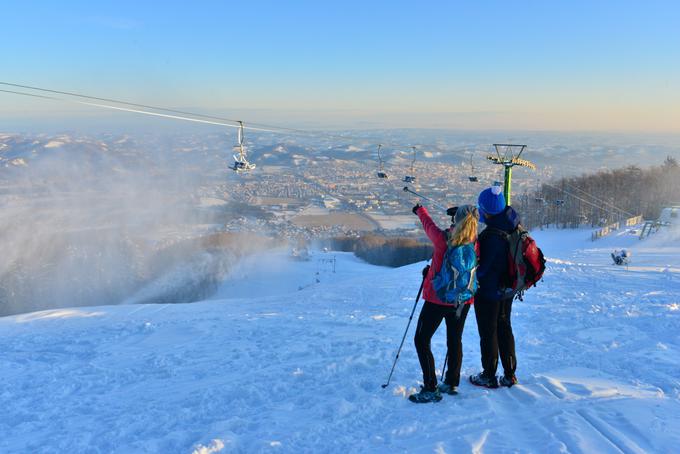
column 270, row 368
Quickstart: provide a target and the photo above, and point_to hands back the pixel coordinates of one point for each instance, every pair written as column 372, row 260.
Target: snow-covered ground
column 289, row 364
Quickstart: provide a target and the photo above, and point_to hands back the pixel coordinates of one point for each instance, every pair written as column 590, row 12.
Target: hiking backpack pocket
column 456, row 281
column 526, row 262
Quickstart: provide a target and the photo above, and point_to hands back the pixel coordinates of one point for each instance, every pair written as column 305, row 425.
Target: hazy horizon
column 607, row 67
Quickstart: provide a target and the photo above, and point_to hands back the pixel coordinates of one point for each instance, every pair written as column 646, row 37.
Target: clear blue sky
column 572, row 65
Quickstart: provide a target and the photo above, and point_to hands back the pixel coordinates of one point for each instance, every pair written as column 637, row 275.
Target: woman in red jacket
column 464, row 231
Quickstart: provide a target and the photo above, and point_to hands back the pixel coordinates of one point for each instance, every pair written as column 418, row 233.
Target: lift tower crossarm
column 508, row 161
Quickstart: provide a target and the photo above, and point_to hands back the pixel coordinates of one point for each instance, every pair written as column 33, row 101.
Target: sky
column 526, row 65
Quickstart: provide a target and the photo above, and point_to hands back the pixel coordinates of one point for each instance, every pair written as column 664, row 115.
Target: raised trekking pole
column 403, row 338
column 433, row 202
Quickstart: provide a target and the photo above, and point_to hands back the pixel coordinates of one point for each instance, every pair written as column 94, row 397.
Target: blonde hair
column 465, row 231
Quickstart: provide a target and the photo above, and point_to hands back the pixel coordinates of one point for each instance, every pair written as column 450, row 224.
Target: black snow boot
column 507, row 381
column 425, row 396
column 483, row 380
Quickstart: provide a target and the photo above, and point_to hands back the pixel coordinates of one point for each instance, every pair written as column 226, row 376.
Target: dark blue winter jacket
column 493, row 254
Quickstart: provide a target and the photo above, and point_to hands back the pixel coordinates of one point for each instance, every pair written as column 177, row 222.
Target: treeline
column 602, row 198
column 384, row 251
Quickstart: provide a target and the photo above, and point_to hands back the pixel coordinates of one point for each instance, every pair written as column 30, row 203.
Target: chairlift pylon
column 241, row 163
column 381, row 172
column 411, row 178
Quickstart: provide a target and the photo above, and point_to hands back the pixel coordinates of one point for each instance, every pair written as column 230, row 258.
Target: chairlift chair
column 241, row 163
column 381, row 172
column 472, row 177
column 411, row 178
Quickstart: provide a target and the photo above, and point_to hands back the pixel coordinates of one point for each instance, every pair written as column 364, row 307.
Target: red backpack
column 526, row 262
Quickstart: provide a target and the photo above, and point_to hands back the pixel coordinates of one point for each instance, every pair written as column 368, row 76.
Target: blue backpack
column 456, row 281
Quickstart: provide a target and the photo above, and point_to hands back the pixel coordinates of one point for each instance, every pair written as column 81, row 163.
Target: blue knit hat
column 491, row 200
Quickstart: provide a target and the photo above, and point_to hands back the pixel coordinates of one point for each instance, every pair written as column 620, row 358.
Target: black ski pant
column 495, row 335
column 429, row 320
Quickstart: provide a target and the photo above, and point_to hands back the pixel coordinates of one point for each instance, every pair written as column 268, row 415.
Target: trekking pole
column 446, row 359
column 403, row 338
column 433, row 202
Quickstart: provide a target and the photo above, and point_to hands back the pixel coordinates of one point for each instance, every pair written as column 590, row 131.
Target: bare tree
column 603, row 197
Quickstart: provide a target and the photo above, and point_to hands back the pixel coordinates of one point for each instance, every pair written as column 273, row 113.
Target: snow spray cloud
column 87, row 221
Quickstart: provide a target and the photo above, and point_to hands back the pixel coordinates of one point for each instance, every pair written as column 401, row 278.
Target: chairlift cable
column 573, row 195
column 145, row 109
column 219, row 120
column 598, row 199
column 126, row 109
column 240, row 164
column 28, row 94
column 144, row 106
column 96, row 98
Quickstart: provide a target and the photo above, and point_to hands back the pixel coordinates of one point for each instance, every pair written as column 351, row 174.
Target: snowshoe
column 425, row 396
column 484, row 381
column 507, row 381
column 445, row 388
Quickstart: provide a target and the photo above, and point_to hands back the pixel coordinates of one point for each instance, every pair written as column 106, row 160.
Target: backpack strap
column 473, row 275
column 459, row 309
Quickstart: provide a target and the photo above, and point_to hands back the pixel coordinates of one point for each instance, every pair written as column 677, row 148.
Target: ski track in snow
column 300, row 371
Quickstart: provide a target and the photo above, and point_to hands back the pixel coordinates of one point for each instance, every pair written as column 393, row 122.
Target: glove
column 426, row 270
column 416, row 208
column 451, row 211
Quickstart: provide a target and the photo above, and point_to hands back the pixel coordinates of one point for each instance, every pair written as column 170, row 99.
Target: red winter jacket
column 439, row 240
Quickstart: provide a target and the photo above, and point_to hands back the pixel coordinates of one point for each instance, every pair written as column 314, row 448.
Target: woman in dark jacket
column 463, row 232
column 493, row 307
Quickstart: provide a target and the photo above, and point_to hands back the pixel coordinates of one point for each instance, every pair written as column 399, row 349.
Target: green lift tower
column 509, row 155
